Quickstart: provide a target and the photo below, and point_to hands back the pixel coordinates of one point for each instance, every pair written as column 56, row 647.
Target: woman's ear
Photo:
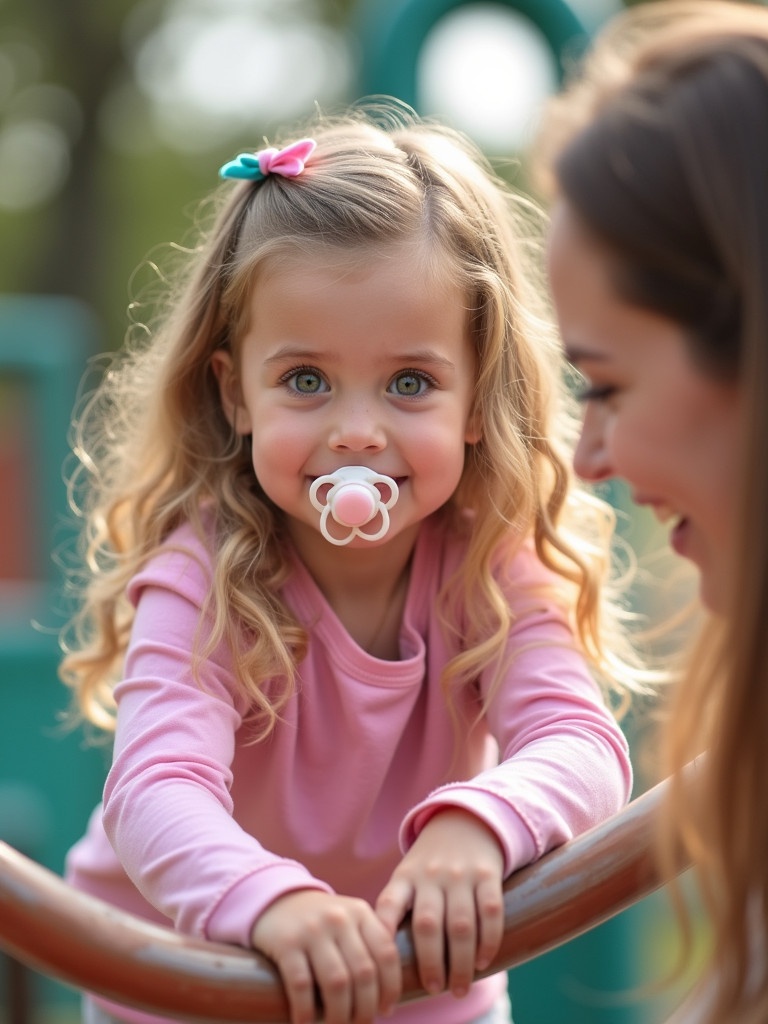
column 230, row 392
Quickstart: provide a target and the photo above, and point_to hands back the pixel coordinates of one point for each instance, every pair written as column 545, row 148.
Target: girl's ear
column 230, row 392
column 473, row 431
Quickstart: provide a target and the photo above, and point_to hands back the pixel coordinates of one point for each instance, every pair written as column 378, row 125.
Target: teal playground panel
column 49, row 781
column 392, row 34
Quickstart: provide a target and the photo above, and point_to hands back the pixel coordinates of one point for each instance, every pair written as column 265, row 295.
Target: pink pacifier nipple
column 352, row 500
column 353, row 505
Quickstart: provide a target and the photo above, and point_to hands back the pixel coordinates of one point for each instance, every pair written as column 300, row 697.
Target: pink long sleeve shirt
column 205, row 829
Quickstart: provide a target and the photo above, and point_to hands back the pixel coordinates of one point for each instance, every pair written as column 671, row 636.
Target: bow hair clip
column 288, row 162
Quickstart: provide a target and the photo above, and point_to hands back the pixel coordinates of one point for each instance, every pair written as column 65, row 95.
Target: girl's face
column 353, row 361
column 652, row 417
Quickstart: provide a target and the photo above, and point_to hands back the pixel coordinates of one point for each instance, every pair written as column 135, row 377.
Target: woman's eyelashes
column 307, row 380
column 583, row 389
column 587, row 392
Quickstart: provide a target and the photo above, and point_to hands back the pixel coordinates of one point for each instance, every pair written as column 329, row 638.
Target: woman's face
column 651, row 416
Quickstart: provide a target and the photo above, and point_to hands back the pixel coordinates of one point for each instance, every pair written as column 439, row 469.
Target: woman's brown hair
column 660, row 146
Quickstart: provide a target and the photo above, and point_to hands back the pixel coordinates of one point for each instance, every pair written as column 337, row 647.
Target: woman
column 659, row 270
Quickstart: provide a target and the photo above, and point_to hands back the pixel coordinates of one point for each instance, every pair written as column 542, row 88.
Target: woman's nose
column 590, row 460
column 356, row 428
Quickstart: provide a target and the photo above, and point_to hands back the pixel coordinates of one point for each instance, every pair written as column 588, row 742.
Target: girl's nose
column 356, row 429
column 590, row 460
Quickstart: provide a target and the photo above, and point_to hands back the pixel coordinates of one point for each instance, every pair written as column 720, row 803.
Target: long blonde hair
column 661, row 146
column 155, row 449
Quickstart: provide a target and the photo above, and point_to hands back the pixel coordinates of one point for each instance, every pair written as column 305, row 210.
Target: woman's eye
column 305, row 382
column 410, row 383
column 595, row 392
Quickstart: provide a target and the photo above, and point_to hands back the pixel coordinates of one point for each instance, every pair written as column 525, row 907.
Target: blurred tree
column 114, row 117
column 109, row 114
column 78, row 54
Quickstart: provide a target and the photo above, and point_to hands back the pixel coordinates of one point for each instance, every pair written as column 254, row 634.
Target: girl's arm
column 564, row 766
column 168, row 809
column 168, row 813
column 451, row 880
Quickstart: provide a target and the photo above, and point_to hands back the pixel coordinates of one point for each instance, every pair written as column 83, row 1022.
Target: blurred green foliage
column 89, row 184
column 103, row 158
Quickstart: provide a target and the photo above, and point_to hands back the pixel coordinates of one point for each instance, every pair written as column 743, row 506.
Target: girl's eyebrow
column 422, row 355
column 297, row 352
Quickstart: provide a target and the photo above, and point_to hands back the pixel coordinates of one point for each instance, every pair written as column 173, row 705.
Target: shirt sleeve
column 167, row 803
column 564, row 761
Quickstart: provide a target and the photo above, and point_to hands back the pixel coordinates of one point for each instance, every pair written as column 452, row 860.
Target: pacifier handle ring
column 336, row 481
column 382, row 511
column 354, row 531
column 338, row 541
column 388, row 482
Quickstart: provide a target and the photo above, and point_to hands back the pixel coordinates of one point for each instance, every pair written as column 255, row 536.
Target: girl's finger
column 461, row 933
column 299, row 986
column 428, row 927
column 386, row 956
column 394, row 901
column 490, row 919
column 363, row 974
column 334, row 981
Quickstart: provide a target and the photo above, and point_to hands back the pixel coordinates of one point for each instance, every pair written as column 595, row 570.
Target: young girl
column 340, row 582
column 659, row 267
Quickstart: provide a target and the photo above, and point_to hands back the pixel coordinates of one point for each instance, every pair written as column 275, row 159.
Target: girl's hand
column 336, row 943
column 451, row 880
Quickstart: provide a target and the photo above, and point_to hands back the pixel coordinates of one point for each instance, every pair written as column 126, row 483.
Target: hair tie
column 288, row 162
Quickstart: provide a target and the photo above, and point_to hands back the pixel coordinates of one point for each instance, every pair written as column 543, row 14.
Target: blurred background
column 114, row 119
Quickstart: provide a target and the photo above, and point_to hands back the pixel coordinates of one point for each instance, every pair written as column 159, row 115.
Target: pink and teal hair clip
column 288, row 162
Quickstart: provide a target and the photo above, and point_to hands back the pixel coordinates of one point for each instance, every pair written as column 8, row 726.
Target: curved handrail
column 84, row 942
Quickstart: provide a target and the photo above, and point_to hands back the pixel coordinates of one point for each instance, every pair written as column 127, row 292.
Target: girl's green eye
column 307, row 382
column 409, row 384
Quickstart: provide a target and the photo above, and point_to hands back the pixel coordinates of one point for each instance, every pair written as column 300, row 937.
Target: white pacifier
column 352, row 501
